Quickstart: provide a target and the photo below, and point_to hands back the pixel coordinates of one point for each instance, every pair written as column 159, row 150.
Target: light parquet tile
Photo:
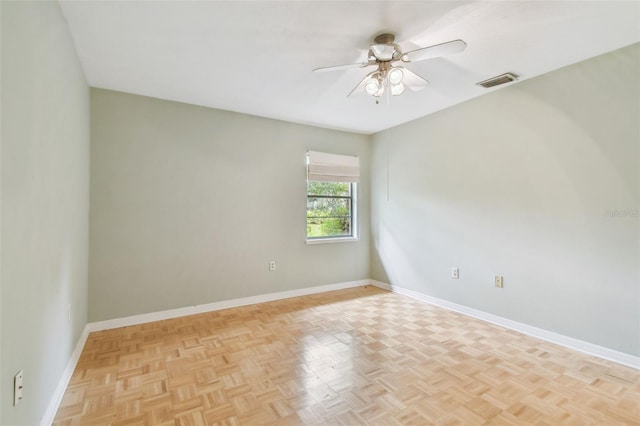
column 350, row 357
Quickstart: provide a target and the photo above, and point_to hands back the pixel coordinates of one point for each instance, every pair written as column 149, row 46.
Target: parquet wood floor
column 350, row 357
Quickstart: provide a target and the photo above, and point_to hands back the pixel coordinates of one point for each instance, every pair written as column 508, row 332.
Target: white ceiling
column 256, row 57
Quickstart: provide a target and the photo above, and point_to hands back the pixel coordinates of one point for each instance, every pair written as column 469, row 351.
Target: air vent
column 496, row 81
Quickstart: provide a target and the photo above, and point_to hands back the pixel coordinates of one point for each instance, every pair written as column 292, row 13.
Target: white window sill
column 333, row 240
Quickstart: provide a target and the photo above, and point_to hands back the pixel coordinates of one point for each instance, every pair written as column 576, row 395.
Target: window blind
column 325, row 167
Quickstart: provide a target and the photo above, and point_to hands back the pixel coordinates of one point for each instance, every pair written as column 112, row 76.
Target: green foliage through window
column 329, row 209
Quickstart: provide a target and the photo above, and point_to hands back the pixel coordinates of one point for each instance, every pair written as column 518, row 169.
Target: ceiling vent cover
column 498, row 80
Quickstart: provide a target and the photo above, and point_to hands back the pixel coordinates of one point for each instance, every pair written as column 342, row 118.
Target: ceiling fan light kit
column 397, row 89
column 394, row 79
column 386, row 78
column 395, row 76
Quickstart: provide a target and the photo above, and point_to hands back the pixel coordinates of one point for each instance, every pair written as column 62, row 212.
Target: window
column 330, row 209
column 331, row 197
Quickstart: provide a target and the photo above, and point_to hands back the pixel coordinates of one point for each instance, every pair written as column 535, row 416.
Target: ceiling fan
column 390, row 78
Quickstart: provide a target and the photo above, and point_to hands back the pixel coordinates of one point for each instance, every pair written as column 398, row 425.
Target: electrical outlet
column 17, row 387
column 272, row 265
column 499, row 281
column 455, row 273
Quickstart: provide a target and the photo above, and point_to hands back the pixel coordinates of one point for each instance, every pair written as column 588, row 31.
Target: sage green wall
column 45, row 204
column 537, row 182
column 189, row 204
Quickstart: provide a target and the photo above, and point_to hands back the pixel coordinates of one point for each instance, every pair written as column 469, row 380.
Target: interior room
column 306, row 212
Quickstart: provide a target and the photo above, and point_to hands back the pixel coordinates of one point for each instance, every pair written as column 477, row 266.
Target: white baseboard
column 579, row 345
column 56, row 399
column 549, row 336
column 216, row 306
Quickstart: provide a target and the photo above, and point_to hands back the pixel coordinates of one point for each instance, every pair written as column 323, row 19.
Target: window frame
column 353, row 201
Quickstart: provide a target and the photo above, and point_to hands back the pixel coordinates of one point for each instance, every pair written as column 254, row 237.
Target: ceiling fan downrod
column 384, row 39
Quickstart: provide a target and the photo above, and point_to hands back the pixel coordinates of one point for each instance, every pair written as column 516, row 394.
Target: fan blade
column 435, row 51
column 413, row 81
column 359, row 89
column 342, row 67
